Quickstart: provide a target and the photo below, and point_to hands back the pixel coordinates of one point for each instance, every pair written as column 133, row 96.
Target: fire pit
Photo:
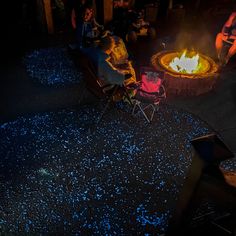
column 186, row 73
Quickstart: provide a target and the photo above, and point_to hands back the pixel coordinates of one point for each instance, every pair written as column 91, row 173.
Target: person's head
column 107, row 44
column 87, row 14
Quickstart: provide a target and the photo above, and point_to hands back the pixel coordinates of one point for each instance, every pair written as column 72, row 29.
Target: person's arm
column 144, row 23
column 73, row 18
column 96, row 24
column 136, row 25
column 108, row 73
column 228, row 24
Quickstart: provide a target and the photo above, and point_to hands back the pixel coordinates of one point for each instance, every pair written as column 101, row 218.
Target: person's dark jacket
column 104, row 68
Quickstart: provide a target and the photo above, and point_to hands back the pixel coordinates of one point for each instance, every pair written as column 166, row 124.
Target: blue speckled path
column 52, row 67
column 123, row 179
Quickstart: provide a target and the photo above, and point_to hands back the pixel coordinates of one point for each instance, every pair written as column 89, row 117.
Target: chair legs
column 109, row 101
column 82, row 93
column 153, row 107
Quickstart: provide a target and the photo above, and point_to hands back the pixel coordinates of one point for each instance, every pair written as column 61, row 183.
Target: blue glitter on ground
column 56, row 177
column 146, row 218
column 229, row 165
column 52, row 66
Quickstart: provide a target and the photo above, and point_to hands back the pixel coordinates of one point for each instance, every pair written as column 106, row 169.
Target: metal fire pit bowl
column 183, row 83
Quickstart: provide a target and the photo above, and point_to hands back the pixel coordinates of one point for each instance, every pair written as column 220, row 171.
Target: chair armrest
column 160, row 94
column 135, row 85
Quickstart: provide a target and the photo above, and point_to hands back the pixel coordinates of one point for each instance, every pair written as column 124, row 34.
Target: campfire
column 186, row 64
column 187, row 72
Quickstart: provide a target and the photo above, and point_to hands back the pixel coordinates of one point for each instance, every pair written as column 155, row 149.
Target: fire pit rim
column 188, row 84
column 213, row 67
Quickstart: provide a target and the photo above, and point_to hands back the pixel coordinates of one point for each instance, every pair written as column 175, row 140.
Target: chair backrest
column 151, row 88
column 91, row 79
column 150, row 93
column 151, row 79
column 96, row 86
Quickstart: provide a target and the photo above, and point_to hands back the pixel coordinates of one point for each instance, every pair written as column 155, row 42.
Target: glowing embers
column 186, row 63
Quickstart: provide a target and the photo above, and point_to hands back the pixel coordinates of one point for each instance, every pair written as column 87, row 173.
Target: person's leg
column 231, row 52
column 219, row 44
column 79, row 34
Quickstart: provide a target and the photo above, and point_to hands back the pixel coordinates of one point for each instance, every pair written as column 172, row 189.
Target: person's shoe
column 72, row 46
column 222, row 65
column 127, row 100
column 223, row 62
column 226, row 60
column 217, row 60
column 118, row 96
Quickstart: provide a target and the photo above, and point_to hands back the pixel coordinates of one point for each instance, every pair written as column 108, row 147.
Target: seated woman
column 84, row 22
column 92, row 30
column 119, row 59
column 101, row 56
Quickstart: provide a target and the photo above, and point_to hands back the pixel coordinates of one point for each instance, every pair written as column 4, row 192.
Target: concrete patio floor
column 20, row 95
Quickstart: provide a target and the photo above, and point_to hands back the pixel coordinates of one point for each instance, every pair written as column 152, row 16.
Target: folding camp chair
column 149, row 93
column 108, row 92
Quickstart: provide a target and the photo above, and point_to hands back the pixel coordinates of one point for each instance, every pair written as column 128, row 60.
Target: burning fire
column 186, row 64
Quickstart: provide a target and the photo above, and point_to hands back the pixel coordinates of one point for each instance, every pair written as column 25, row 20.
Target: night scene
column 118, row 117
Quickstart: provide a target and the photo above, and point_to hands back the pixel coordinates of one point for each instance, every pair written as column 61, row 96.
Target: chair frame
column 108, row 97
column 93, row 84
column 111, row 95
column 140, row 105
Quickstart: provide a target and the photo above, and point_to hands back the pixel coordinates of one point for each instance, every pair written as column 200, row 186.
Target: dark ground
column 20, row 94
column 24, row 99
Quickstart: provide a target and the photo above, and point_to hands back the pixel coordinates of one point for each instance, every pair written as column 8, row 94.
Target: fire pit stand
column 178, row 83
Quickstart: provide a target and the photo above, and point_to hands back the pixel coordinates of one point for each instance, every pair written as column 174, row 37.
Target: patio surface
column 117, row 181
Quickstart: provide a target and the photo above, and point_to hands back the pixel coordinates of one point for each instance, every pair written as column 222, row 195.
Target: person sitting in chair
column 228, row 35
column 92, row 30
column 84, row 22
column 120, row 59
column 101, row 58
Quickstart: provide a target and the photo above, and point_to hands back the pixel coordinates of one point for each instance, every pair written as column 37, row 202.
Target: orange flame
column 186, row 64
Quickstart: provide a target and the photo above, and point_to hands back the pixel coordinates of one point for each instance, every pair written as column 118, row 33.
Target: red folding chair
column 149, row 93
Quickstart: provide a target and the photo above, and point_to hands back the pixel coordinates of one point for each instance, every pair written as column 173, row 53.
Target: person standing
column 79, row 14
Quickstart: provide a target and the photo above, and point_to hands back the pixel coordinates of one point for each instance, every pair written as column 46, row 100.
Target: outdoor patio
column 124, row 178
